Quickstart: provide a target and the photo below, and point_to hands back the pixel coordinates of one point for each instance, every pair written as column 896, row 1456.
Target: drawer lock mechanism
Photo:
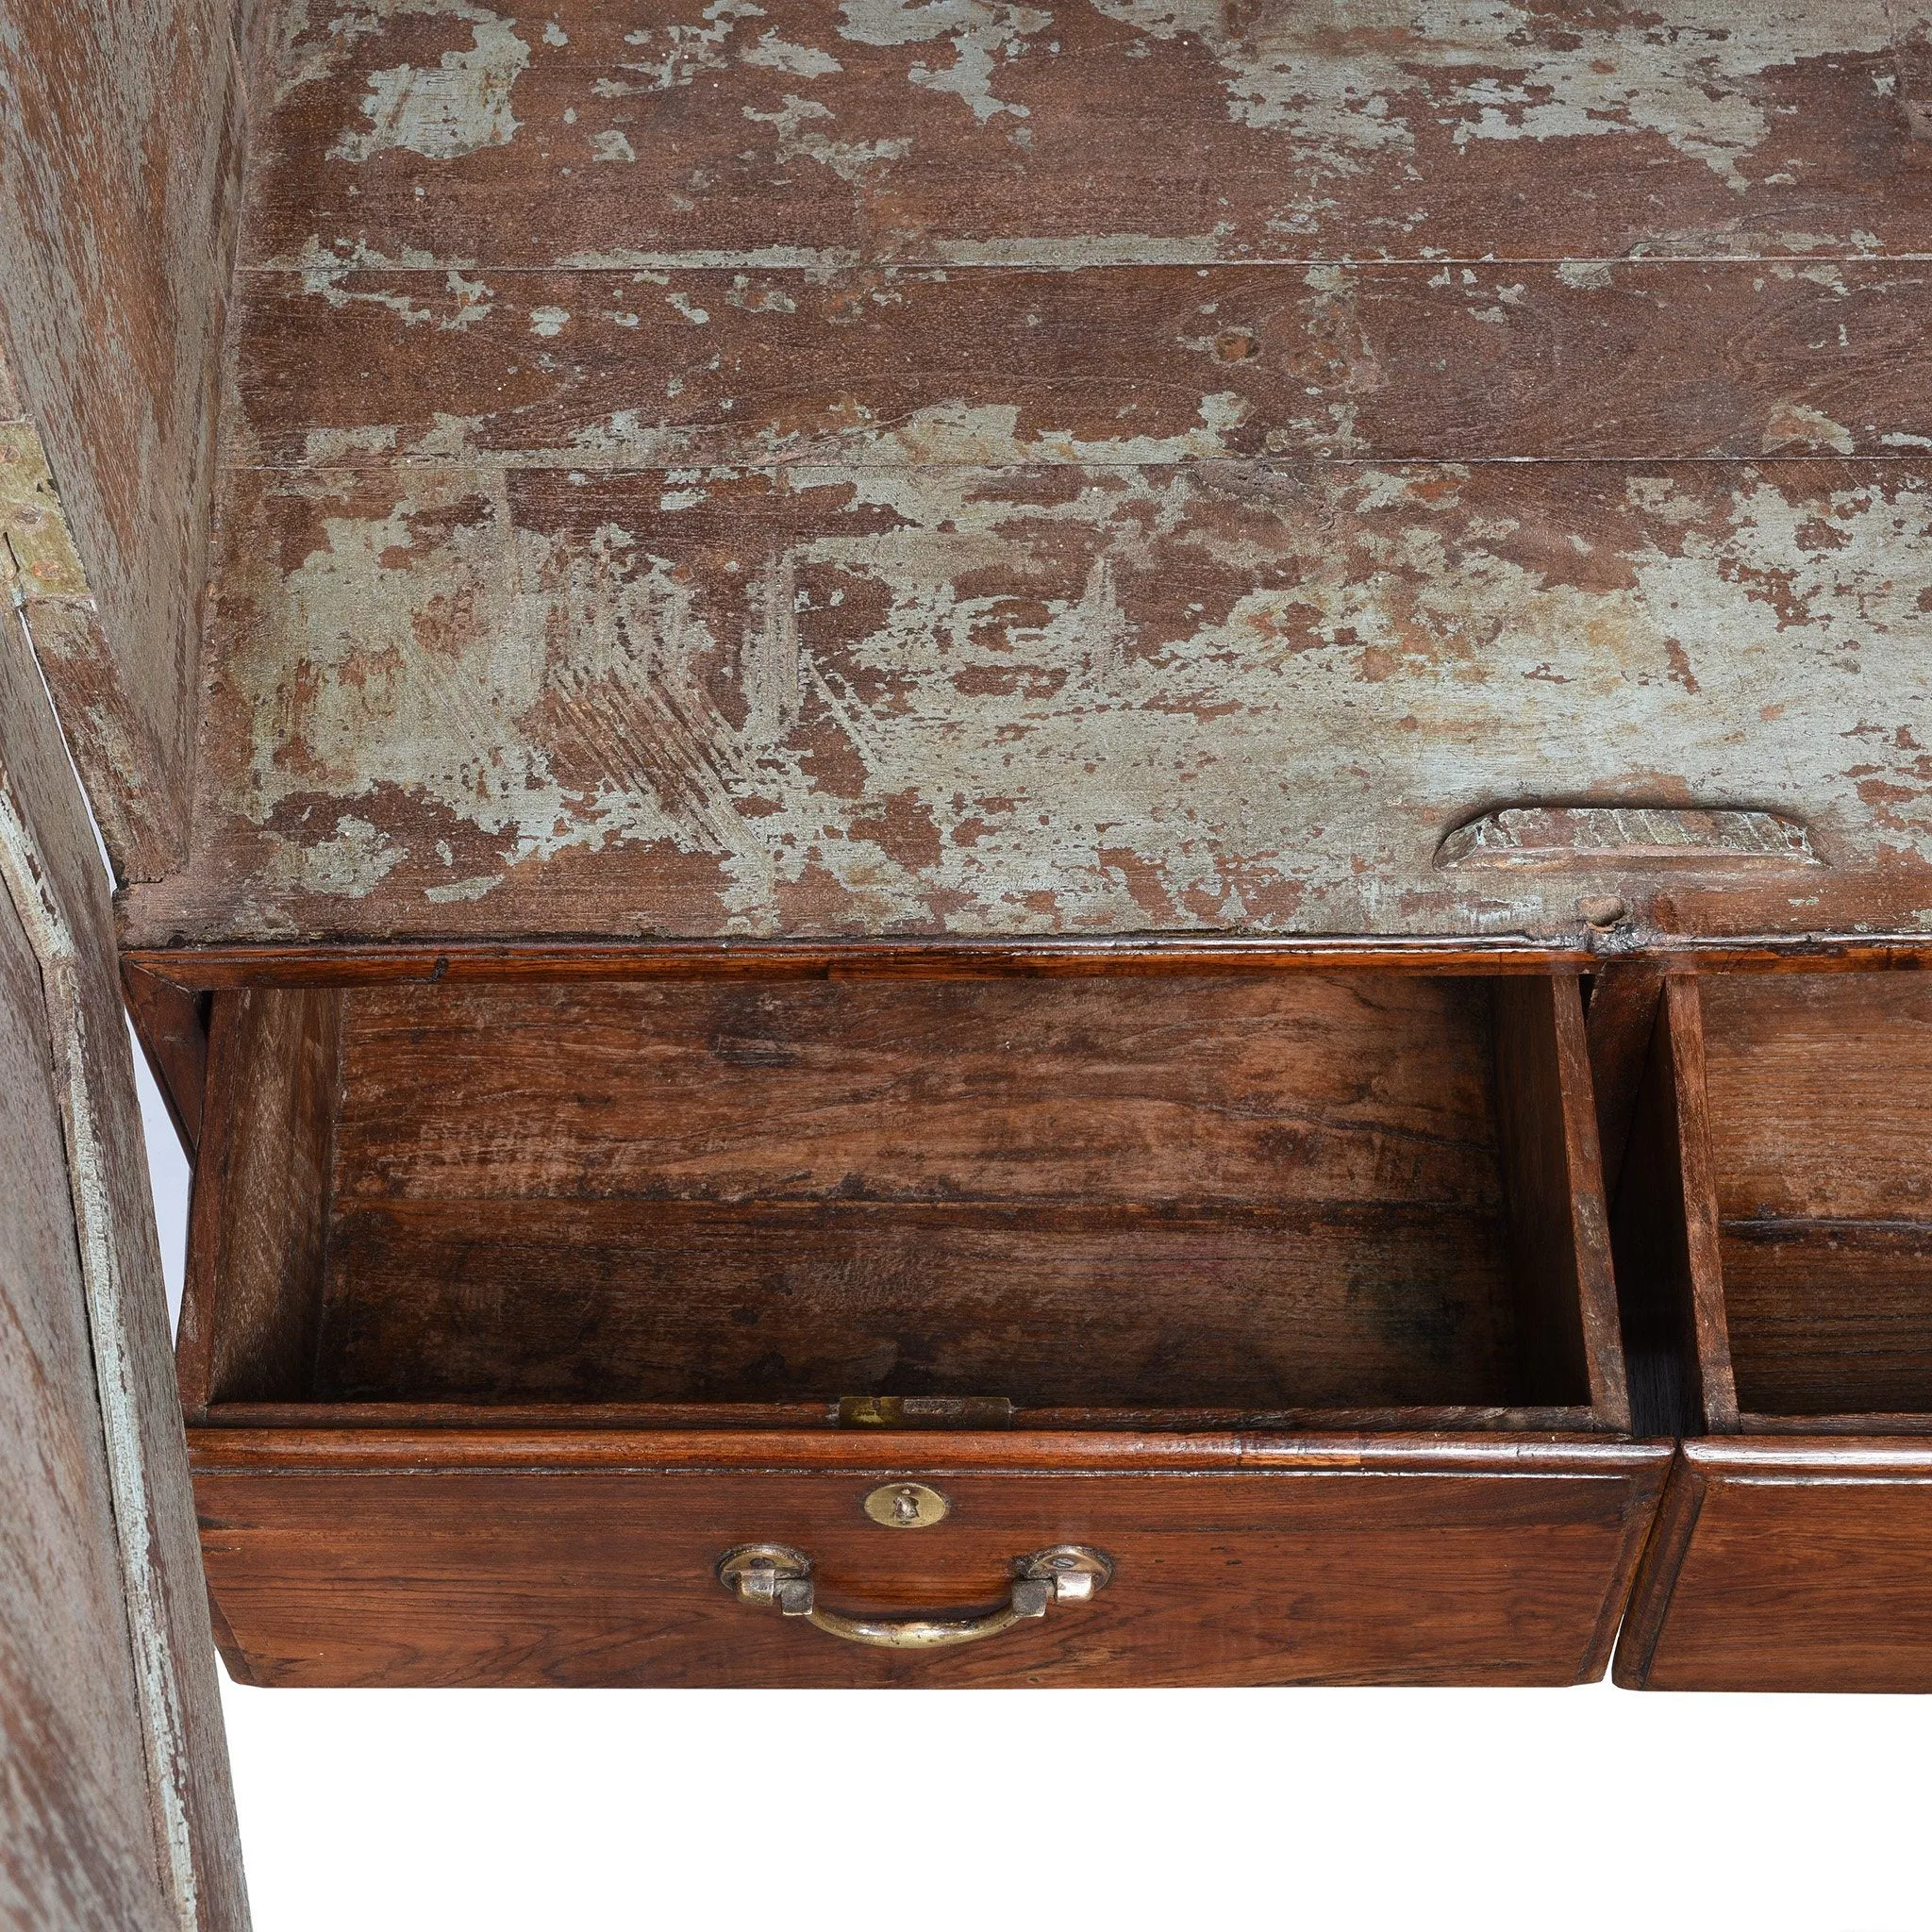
column 776, row 1574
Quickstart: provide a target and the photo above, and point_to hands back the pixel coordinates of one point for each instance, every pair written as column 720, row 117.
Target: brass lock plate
column 906, row 1506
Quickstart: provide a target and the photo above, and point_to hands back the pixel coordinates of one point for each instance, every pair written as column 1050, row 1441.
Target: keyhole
column 906, row 1506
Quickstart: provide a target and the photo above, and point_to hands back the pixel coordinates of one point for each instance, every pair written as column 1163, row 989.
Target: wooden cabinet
column 1785, row 1258
column 1158, row 767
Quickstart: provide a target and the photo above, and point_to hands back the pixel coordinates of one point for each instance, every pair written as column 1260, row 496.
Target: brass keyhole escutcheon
column 906, row 1506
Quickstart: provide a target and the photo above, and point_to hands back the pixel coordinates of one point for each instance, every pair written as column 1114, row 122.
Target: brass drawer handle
column 774, row 1573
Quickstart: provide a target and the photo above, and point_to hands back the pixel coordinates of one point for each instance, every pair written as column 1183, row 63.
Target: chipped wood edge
column 120, row 762
column 57, row 950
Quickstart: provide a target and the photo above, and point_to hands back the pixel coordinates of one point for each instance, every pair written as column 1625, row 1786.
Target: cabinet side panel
column 122, row 128
column 76, row 1844
column 172, row 1726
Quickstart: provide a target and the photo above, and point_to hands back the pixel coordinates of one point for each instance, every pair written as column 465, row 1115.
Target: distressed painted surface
column 119, row 129
column 447, row 133
column 893, row 699
column 115, row 1802
column 1561, row 836
column 863, row 469
column 596, row 369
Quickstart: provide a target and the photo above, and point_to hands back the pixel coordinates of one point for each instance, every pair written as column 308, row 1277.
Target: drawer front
column 1780, row 1564
column 353, row 1561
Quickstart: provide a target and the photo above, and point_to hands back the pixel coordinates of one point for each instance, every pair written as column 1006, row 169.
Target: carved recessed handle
column 776, row 1574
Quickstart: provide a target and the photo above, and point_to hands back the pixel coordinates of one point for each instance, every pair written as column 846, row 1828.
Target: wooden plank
column 171, row 1023
column 1830, row 1318
column 252, row 1305
column 121, row 138
column 598, row 371
column 1664, row 1235
column 1460, row 1564
column 148, row 1721
column 712, row 1417
column 1804, row 1568
column 1567, row 1297
column 1821, row 1096
column 1697, row 1165
column 1249, row 1308
column 1252, row 1194
column 1071, row 135
column 77, row 1840
column 1819, row 1126
column 831, row 701
column 475, row 962
column 1624, row 1000
column 1186, row 1092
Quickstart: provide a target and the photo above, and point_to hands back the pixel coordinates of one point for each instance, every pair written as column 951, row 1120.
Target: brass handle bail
column 776, row 1574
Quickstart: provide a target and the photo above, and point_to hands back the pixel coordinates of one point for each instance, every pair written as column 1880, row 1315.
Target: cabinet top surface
column 996, row 471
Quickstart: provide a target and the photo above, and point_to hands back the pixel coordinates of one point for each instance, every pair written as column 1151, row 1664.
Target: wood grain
column 1107, row 1306
column 1664, row 1235
column 121, row 135
column 837, row 701
column 1305, row 1089
column 1805, row 1570
column 170, row 1024
column 1624, row 1000
column 1244, row 1193
column 481, row 962
column 1566, row 1299
column 76, row 1840
column 1831, row 1318
column 1148, row 1195
column 1398, row 1564
column 1074, row 135
column 161, row 1732
column 1821, row 1126
column 251, row 1306
column 904, row 366
column 1841, row 1070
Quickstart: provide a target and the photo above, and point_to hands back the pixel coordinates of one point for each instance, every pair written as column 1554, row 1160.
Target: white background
column 1072, row 1811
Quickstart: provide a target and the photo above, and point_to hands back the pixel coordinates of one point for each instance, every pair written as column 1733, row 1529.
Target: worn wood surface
column 171, row 1023
column 1821, row 1113
column 1566, row 1300
column 1001, row 471
column 109, row 1706
column 121, row 130
column 1217, row 696
column 1802, row 1568
column 1238, row 1193
column 251, row 1306
column 698, row 368
column 1163, row 1418
column 1075, row 135
column 1624, row 1000
column 370, row 1557
column 1665, row 1236
column 76, row 1842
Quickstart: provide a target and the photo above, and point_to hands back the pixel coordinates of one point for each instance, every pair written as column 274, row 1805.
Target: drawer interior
column 1107, row 1199
column 1820, row 1098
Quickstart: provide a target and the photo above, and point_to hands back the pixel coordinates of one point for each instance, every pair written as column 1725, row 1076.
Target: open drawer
column 1775, row 1243
column 515, row 1304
